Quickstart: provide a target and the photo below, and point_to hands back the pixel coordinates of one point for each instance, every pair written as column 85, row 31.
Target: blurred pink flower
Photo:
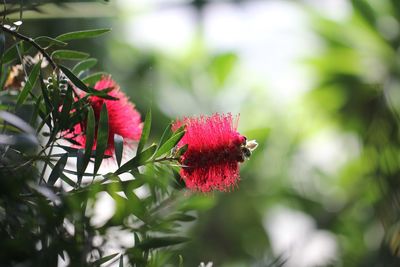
column 123, row 118
column 211, row 161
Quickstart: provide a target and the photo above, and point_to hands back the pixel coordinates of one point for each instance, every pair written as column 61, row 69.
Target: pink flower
column 215, row 149
column 123, row 118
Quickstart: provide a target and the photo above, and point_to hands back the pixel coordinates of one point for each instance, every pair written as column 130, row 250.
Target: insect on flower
column 214, row 151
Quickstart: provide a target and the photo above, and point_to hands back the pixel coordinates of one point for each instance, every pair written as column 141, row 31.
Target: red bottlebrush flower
column 215, row 149
column 123, row 118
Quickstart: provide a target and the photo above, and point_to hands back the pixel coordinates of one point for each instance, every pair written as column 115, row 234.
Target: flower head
column 123, row 118
column 215, row 149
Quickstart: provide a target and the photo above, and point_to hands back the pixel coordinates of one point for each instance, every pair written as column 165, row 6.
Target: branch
column 32, row 42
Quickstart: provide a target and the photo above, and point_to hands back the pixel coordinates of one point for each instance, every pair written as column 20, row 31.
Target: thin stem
column 165, row 159
column 32, row 42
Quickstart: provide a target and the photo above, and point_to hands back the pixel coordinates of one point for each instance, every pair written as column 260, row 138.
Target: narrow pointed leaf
column 2, row 44
column 64, row 177
column 47, row 41
column 84, row 65
column 102, row 138
column 69, row 55
column 79, row 165
column 145, row 132
column 47, row 103
column 93, row 78
column 89, row 134
column 57, row 170
column 181, row 151
column 118, row 147
column 105, row 259
column 169, row 144
column 81, row 84
column 16, row 121
column 158, row 242
column 121, row 261
column 36, row 109
column 66, row 108
column 181, row 217
column 166, row 135
column 138, row 160
column 11, row 53
column 136, row 206
column 30, row 83
column 81, row 34
column 75, row 80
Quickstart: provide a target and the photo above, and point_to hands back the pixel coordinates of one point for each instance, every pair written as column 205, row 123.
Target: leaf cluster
column 49, row 185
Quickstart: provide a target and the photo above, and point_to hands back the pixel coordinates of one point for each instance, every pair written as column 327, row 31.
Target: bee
column 248, row 147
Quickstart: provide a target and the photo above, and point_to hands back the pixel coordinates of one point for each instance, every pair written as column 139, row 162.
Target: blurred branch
column 31, row 41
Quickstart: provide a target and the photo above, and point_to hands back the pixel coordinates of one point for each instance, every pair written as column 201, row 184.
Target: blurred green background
column 316, row 83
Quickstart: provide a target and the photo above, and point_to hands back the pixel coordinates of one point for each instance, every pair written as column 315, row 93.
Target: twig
column 31, row 41
column 164, row 159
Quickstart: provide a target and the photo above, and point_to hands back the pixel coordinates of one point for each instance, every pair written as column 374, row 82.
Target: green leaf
column 16, row 121
column 102, row 138
column 181, row 151
column 197, row 202
column 12, row 53
column 2, row 43
column 181, row 217
column 82, row 34
column 69, row 55
column 166, row 135
column 158, row 242
column 170, row 143
column 81, row 84
column 65, row 178
column 44, row 41
column 118, row 147
column 58, row 169
column 75, row 80
column 79, row 165
column 84, row 65
column 105, row 259
column 90, row 127
column 47, row 102
column 66, row 108
column 30, row 83
column 366, row 11
column 94, row 78
column 138, row 160
column 221, row 67
column 145, row 132
column 135, row 205
column 121, row 261
column 35, row 112
column 180, row 264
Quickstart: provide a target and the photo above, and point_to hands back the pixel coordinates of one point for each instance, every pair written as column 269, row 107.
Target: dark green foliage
column 29, row 84
column 81, row 34
column 102, row 138
column 48, row 188
column 145, row 132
